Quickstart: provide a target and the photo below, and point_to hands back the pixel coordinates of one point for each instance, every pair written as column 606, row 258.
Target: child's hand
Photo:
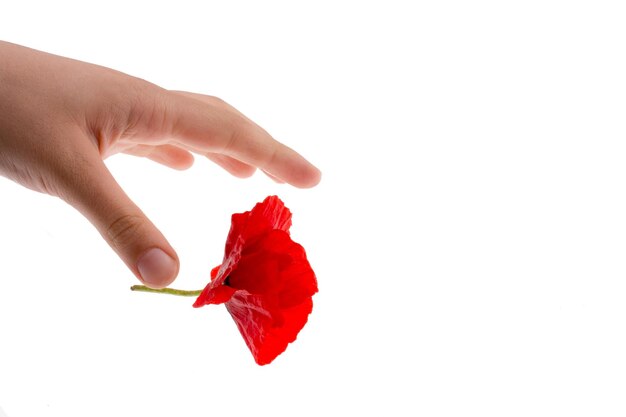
column 60, row 117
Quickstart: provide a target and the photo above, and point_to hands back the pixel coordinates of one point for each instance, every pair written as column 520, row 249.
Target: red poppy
column 265, row 280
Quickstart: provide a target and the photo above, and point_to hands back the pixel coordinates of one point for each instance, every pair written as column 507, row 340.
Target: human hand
column 60, row 117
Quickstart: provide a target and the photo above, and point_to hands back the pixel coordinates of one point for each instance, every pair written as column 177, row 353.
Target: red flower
column 265, row 280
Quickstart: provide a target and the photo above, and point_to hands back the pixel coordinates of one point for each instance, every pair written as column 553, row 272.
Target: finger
column 87, row 184
column 168, row 155
column 208, row 125
column 233, row 166
column 273, row 178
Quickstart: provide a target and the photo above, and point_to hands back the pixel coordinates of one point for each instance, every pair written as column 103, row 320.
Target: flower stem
column 172, row 291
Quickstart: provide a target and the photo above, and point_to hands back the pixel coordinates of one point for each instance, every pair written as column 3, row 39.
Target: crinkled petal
column 266, row 330
column 271, row 214
column 215, row 271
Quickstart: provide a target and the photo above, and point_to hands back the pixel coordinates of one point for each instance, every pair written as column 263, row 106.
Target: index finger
column 205, row 124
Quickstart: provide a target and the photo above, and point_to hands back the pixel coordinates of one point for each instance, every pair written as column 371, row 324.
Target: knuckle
column 147, row 109
column 124, row 230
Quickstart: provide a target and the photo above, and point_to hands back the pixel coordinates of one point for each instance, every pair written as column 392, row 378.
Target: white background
column 469, row 234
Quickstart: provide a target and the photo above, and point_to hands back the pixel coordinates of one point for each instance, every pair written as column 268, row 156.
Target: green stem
column 172, row 291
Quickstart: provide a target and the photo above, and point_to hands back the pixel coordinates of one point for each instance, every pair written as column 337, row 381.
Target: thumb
column 95, row 193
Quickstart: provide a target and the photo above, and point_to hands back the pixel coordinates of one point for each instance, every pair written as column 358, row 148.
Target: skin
column 59, row 118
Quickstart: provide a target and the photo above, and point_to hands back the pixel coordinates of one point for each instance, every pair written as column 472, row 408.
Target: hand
column 60, row 117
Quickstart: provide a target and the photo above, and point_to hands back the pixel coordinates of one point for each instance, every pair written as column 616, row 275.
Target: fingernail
column 157, row 269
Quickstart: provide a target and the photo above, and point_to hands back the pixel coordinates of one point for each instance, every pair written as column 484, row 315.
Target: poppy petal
column 265, row 336
column 269, row 215
column 214, row 272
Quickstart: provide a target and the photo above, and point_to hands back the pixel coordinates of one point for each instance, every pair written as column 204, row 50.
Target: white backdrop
column 468, row 235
